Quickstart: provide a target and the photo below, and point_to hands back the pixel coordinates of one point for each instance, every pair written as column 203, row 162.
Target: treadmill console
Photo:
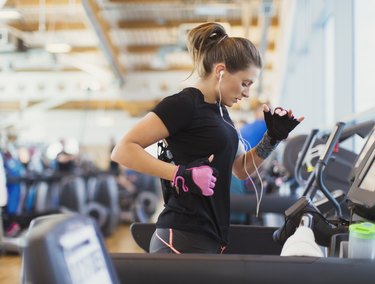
column 365, row 149
column 68, row 250
column 362, row 192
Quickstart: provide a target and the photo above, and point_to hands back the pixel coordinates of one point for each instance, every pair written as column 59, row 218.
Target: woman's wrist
column 265, row 147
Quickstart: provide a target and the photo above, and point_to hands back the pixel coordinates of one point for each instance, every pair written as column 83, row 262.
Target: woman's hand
column 279, row 123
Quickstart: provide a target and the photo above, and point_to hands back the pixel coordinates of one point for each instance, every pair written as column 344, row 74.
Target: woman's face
column 235, row 86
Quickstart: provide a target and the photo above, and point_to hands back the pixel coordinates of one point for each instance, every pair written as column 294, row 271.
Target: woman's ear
column 219, row 70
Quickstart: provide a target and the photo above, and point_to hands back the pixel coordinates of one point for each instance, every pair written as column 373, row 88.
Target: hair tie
column 224, row 37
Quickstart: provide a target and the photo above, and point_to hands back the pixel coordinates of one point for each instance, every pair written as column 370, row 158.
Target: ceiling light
column 9, row 14
column 210, row 10
column 58, row 47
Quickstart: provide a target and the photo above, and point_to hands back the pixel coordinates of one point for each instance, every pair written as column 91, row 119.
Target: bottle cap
column 364, row 230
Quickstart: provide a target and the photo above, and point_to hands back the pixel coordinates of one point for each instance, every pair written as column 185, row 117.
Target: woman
column 203, row 145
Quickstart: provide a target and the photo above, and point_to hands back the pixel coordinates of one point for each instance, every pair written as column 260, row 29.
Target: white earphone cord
column 248, row 148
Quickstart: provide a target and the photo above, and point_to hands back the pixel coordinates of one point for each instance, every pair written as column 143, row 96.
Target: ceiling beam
column 28, row 3
column 146, row 68
column 271, row 45
column 147, row 24
column 102, row 30
column 50, row 25
column 46, row 69
column 143, row 1
column 133, row 108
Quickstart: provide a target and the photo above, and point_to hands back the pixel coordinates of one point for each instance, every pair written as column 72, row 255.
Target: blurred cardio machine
column 94, row 194
column 299, row 157
column 330, row 231
column 302, row 152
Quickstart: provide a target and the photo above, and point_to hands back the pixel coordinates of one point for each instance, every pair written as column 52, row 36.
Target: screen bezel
column 363, row 153
column 371, row 167
column 356, row 194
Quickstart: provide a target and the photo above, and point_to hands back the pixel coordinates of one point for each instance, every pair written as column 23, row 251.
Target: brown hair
column 209, row 44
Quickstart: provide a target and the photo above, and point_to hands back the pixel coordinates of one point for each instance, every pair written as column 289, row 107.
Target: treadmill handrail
column 362, row 129
column 302, row 155
column 322, row 163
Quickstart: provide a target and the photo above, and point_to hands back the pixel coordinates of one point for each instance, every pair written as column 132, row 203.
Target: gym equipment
column 71, row 250
column 365, row 149
column 271, row 203
column 38, row 192
column 97, row 196
column 14, row 170
column 240, row 269
column 361, row 198
column 305, row 206
column 140, row 204
column 35, row 222
column 244, row 239
column 68, row 249
column 145, row 205
column 302, row 152
column 336, row 169
column 298, row 151
column 362, row 192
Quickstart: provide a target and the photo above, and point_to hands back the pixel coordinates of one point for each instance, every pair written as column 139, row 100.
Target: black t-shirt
column 197, row 130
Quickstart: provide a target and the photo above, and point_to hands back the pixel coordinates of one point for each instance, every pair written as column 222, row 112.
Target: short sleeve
column 175, row 111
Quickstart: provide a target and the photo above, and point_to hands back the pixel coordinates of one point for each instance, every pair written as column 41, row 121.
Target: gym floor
column 120, row 241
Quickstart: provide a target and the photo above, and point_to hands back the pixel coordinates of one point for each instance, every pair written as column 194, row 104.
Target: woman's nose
column 246, row 92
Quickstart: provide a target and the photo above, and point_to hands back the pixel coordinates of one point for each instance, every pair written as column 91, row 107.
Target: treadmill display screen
column 368, row 181
column 365, row 149
column 84, row 258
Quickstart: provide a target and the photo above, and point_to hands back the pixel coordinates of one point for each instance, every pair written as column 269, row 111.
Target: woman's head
column 209, row 44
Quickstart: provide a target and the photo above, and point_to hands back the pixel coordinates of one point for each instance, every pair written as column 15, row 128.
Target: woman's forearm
column 133, row 156
column 246, row 164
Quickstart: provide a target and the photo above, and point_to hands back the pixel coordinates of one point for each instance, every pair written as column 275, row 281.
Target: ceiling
column 121, row 43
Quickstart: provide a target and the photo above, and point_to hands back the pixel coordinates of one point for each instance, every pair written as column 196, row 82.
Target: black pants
column 177, row 241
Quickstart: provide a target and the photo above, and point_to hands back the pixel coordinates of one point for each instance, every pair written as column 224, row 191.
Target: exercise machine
column 331, row 231
column 300, row 156
column 71, row 250
column 95, row 195
column 243, row 236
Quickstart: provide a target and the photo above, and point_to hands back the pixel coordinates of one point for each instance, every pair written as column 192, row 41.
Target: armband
column 265, row 147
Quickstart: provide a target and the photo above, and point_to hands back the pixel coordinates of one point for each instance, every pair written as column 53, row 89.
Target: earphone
column 220, row 109
column 221, row 74
column 247, row 147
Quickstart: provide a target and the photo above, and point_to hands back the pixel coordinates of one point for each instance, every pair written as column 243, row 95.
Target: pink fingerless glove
column 198, row 177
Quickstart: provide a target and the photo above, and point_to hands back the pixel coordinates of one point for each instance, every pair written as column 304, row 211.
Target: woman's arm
column 279, row 125
column 130, row 150
column 247, row 159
